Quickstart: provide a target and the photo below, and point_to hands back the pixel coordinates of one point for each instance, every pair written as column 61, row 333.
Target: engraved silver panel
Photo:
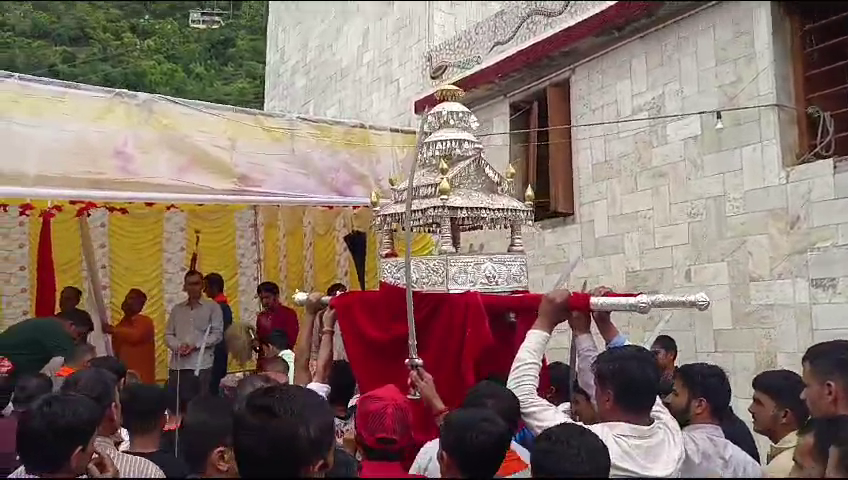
column 492, row 273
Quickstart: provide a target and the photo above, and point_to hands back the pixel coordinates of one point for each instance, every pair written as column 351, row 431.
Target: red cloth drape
column 45, row 273
column 462, row 339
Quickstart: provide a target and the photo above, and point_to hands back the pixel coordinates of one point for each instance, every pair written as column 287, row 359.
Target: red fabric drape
column 462, row 339
column 45, row 273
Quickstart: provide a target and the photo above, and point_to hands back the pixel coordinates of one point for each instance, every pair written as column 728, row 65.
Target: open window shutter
column 560, row 169
column 533, row 148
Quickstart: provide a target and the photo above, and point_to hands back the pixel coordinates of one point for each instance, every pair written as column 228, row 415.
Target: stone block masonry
column 678, row 206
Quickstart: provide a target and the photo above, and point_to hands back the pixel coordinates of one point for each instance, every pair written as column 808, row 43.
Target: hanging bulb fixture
column 719, row 124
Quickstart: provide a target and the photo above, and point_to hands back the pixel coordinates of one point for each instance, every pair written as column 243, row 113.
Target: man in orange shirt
column 133, row 338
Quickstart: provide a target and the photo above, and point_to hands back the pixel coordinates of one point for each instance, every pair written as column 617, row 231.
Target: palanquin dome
column 455, row 189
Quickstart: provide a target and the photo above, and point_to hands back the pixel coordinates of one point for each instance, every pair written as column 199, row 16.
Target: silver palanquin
column 455, row 190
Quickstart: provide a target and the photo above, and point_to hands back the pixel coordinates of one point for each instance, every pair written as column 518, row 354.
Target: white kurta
column 709, row 454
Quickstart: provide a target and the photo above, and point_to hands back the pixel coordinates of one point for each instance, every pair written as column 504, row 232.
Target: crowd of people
column 625, row 411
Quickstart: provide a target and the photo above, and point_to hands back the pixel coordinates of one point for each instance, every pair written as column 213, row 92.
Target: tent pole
column 102, row 343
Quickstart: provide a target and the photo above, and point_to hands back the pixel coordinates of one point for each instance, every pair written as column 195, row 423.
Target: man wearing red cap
column 384, row 433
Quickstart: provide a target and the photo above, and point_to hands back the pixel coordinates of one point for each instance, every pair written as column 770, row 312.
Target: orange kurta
column 133, row 340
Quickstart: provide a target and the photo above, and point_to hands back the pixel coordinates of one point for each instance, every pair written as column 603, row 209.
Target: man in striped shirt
column 102, row 387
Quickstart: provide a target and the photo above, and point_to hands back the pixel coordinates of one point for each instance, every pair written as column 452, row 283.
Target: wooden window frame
column 554, row 198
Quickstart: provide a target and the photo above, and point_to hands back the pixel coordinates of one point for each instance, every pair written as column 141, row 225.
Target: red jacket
column 279, row 317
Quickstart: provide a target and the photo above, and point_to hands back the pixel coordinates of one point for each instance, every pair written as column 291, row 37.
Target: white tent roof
column 65, row 140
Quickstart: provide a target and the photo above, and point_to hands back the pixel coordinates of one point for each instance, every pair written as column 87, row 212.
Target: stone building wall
column 676, row 205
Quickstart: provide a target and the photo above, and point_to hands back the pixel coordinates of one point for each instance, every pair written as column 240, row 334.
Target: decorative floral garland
column 85, row 208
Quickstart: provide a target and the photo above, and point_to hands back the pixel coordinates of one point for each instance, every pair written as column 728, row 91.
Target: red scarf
column 221, row 298
column 65, row 372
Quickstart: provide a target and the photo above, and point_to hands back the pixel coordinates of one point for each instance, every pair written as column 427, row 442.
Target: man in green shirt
column 31, row 343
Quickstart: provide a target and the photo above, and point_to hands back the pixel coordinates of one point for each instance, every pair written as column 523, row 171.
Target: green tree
column 140, row 46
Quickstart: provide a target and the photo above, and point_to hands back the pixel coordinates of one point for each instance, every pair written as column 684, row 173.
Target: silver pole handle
column 644, row 303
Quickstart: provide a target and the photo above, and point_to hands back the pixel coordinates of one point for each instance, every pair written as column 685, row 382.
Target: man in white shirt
column 700, row 397
column 193, row 329
column 643, row 439
column 778, row 411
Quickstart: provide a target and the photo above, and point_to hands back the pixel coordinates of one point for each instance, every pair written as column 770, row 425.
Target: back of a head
column 560, row 377
column 279, row 340
column 569, row 450
column 335, row 289
column 215, row 281
column 95, row 383
column 53, row 429
column 342, row 383
column 498, row 399
column 784, row 388
column 30, row 388
column 475, row 440
column 111, row 364
column 707, row 381
column 208, row 425
column 180, row 393
column 282, row 431
column 828, row 361
column 632, row 375
column 249, row 384
column 666, row 343
column 80, row 319
column 143, row 407
column 276, row 365
column 84, row 352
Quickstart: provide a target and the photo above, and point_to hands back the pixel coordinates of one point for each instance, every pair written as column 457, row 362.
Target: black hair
column 631, row 373
column 569, row 450
column 215, row 281
column 666, row 343
column 80, row 319
column 476, row 440
column 76, row 291
column 30, row 388
column 81, row 351
column 345, row 465
column 707, row 381
column 840, row 442
column 824, row 430
column 208, row 424
column 560, row 377
column 342, row 384
column 55, row 427
column 192, row 273
column 829, row 361
column 111, row 364
column 497, row 378
column 268, row 287
column 784, row 388
column 335, row 288
column 281, row 431
column 279, row 340
column 496, row 398
column 180, row 393
column 249, row 384
column 139, row 292
column 95, row 383
column 143, row 408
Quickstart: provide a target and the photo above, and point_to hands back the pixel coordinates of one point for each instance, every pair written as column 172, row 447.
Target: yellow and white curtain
column 150, row 248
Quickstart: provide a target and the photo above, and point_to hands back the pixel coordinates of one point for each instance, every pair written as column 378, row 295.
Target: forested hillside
column 141, row 46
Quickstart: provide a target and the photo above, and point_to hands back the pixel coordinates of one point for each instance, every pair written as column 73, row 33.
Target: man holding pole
column 193, row 329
